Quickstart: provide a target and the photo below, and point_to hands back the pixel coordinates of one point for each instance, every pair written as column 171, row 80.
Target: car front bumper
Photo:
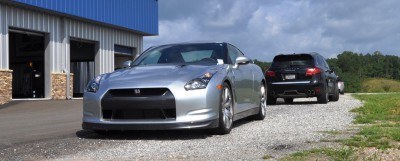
column 193, row 109
column 164, row 125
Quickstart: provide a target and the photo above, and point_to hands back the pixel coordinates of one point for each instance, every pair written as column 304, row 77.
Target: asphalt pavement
column 28, row 121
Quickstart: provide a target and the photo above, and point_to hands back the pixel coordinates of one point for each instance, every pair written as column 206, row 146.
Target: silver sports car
column 177, row 86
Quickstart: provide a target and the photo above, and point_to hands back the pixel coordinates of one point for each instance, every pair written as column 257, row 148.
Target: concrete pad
column 25, row 121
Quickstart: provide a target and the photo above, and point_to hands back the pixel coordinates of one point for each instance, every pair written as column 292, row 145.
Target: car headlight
column 94, row 84
column 199, row 83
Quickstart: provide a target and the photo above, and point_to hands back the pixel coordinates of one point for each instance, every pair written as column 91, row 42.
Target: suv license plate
column 290, row 76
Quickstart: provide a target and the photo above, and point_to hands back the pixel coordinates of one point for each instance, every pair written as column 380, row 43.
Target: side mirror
column 332, row 70
column 241, row 60
column 127, row 64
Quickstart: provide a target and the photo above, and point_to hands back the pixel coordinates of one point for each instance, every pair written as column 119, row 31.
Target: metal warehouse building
column 52, row 48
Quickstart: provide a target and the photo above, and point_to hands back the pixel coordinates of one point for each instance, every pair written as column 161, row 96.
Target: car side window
column 233, row 53
column 320, row 61
column 317, row 61
column 324, row 62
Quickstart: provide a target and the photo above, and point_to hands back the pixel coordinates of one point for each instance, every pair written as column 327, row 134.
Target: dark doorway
column 82, row 64
column 26, row 51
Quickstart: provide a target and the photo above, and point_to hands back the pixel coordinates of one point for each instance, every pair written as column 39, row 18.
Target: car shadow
column 298, row 103
column 244, row 121
column 156, row 134
column 146, row 135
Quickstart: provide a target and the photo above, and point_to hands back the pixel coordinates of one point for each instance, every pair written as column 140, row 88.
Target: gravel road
column 287, row 128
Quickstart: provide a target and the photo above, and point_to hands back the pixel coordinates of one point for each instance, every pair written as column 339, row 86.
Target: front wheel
column 225, row 111
column 263, row 104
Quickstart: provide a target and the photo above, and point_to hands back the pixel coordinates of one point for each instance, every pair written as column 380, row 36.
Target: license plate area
column 290, row 76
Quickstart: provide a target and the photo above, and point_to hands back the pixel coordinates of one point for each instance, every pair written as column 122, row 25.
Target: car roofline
column 310, row 53
column 191, row 42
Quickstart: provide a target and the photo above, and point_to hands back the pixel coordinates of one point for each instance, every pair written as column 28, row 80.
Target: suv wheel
column 323, row 98
column 271, row 100
column 335, row 96
column 288, row 100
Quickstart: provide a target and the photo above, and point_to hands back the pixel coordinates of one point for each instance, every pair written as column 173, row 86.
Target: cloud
column 262, row 29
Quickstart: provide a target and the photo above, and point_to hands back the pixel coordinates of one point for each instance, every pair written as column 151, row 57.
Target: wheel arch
column 231, row 87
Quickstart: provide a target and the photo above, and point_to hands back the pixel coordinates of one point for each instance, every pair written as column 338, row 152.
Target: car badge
column 137, row 91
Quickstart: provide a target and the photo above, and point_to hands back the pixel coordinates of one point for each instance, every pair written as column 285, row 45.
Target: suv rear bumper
column 294, row 89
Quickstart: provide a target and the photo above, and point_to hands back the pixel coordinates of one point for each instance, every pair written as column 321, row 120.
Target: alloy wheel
column 263, row 102
column 227, row 108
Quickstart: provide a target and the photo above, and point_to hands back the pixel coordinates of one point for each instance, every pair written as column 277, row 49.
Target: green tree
column 354, row 68
column 263, row 65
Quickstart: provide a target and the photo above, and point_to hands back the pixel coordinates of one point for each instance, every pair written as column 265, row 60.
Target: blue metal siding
column 138, row 15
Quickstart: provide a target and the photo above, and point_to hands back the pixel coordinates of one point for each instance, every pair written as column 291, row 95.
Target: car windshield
column 202, row 54
column 284, row 61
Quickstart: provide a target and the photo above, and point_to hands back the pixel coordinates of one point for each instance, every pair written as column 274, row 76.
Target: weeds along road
column 286, row 129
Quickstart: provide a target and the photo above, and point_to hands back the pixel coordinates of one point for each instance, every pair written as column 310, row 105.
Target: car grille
column 132, row 93
column 138, row 103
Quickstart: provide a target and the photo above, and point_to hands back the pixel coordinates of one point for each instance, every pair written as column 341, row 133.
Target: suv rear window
column 284, row 61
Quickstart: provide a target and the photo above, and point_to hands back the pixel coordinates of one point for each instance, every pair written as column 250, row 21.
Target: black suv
column 301, row 75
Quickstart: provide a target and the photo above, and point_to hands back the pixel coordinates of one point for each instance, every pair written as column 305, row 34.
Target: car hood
column 159, row 75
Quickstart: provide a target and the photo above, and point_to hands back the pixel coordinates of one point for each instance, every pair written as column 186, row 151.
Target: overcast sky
column 264, row 28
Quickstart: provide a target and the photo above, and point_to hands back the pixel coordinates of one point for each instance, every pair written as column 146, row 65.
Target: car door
column 243, row 81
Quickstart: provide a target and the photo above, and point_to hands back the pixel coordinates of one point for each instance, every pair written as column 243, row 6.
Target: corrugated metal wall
column 139, row 15
column 106, row 37
column 59, row 30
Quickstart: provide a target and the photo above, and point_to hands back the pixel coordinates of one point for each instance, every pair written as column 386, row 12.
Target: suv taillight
column 312, row 71
column 270, row 73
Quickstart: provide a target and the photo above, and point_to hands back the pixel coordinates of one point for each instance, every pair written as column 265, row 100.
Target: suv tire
column 323, row 98
column 271, row 100
column 335, row 96
column 288, row 100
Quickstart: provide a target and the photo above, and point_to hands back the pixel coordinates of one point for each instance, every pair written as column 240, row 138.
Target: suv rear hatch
column 290, row 68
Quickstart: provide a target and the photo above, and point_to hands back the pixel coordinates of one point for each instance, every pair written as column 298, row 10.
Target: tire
column 288, row 100
column 262, row 112
column 271, row 100
column 335, row 96
column 225, row 111
column 323, row 98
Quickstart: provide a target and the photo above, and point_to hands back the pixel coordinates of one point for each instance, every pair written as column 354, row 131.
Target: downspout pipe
column 66, row 71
